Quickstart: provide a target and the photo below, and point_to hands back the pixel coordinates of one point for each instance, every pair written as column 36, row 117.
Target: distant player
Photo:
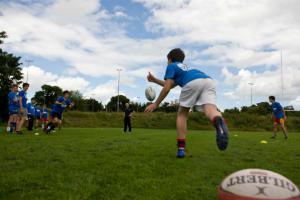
column 13, row 107
column 31, row 114
column 56, row 114
column 37, row 117
column 23, row 107
column 44, row 116
column 278, row 116
column 198, row 90
column 127, row 118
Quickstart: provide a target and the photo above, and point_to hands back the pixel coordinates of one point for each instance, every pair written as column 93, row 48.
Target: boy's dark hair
column 66, row 92
column 25, row 84
column 176, row 55
column 14, row 85
column 33, row 98
column 272, row 98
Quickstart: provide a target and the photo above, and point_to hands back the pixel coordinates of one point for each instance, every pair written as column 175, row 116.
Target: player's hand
column 21, row 110
column 72, row 104
column 151, row 78
column 150, row 108
column 285, row 117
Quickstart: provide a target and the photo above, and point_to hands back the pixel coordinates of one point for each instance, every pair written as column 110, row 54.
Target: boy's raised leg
column 219, row 123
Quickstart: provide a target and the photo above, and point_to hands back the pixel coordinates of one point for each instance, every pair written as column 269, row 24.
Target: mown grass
column 87, row 163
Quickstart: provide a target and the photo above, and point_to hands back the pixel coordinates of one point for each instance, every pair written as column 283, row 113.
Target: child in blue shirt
column 58, row 108
column 279, row 117
column 37, row 116
column 13, row 107
column 198, row 91
column 31, row 114
column 23, row 107
column 44, row 116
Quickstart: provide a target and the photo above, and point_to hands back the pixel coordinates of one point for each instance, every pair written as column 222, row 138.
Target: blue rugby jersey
column 13, row 101
column 277, row 110
column 59, row 108
column 181, row 74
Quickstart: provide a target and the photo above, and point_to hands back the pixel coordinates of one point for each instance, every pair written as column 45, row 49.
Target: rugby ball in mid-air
column 150, row 93
column 257, row 184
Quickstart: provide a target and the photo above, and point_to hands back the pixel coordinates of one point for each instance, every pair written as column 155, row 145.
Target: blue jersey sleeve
column 68, row 102
column 278, row 106
column 28, row 107
column 170, row 72
column 22, row 94
column 60, row 99
column 11, row 96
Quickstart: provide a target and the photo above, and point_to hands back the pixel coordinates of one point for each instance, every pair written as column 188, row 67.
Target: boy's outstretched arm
column 169, row 84
column 151, row 78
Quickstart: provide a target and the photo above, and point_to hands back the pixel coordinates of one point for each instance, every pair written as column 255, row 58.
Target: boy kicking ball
column 198, row 90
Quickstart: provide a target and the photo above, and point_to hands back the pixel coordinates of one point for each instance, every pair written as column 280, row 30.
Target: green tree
column 81, row 104
column 112, row 104
column 93, row 105
column 234, row 110
column 77, row 99
column 3, row 35
column 10, row 72
column 48, row 95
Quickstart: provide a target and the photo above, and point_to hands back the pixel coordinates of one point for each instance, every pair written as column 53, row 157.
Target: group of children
column 37, row 116
column 21, row 111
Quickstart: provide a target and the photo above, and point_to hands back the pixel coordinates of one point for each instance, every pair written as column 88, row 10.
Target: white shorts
column 198, row 93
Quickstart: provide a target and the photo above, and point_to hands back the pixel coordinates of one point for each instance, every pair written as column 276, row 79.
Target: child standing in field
column 37, row 117
column 13, row 107
column 31, row 114
column 198, row 90
column 44, row 116
column 279, row 117
column 127, row 118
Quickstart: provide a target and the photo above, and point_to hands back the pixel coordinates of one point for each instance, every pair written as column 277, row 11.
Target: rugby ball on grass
column 257, row 184
column 150, row 93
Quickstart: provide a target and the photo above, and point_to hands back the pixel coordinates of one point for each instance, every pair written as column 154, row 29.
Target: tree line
column 48, row 94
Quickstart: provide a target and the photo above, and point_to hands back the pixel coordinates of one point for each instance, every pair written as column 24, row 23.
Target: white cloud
column 265, row 84
column 66, row 12
column 103, row 92
column 295, row 103
column 237, row 32
column 38, row 77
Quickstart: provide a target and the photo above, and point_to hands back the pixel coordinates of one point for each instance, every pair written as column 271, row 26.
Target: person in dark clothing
column 127, row 118
column 31, row 114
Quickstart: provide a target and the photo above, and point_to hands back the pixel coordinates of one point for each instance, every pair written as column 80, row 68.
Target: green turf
column 106, row 164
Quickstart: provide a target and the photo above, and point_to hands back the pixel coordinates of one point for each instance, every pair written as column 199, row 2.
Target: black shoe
column 221, row 133
column 273, row 137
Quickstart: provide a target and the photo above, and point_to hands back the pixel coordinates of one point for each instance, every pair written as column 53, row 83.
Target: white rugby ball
column 257, row 184
column 150, row 93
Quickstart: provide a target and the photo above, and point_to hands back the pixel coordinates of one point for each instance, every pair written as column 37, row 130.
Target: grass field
column 98, row 163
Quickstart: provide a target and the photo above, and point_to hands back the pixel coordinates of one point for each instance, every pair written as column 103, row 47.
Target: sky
column 80, row 44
